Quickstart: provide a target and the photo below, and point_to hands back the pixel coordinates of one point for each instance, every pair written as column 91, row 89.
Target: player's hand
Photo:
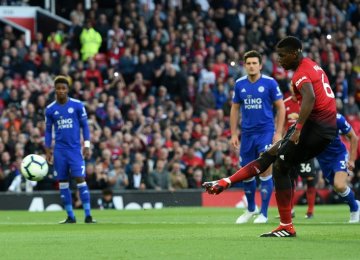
column 86, row 152
column 216, row 187
column 49, row 157
column 234, row 141
column 295, row 136
column 351, row 165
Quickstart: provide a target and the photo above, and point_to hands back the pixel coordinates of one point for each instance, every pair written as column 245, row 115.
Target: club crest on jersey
column 261, row 89
column 70, row 110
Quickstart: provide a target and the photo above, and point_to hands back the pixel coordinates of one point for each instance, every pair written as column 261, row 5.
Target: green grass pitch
column 176, row 233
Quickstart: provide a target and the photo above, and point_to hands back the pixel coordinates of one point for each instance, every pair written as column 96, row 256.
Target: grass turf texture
column 176, row 233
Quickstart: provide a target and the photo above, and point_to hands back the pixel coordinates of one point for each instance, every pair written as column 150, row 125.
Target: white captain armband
column 87, row 144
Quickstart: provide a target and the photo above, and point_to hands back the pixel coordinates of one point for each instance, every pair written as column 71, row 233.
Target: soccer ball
column 34, row 167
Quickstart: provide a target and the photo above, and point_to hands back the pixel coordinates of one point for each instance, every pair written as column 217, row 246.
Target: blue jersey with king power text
column 256, row 101
column 67, row 120
column 336, row 146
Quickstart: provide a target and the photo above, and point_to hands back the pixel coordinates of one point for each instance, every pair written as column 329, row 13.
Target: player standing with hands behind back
column 68, row 115
column 256, row 95
column 314, row 130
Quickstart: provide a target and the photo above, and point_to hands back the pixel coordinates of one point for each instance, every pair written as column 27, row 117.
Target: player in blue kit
column 67, row 116
column 335, row 161
column 256, row 95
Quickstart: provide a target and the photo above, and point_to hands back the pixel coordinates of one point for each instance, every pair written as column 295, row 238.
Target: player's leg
column 248, row 154
column 266, row 180
column 77, row 166
column 310, row 144
column 347, row 195
column 61, row 169
column 310, row 196
column 335, row 172
column 293, row 177
column 308, row 174
column 251, row 169
column 284, row 190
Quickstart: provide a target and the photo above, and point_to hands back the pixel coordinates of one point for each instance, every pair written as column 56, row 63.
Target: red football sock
column 284, row 201
column 310, row 196
column 250, row 170
column 293, row 182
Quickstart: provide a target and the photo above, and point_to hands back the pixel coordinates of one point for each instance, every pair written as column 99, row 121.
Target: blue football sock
column 349, row 197
column 267, row 186
column 65, row 195
column 85, row 197
column 250, row 189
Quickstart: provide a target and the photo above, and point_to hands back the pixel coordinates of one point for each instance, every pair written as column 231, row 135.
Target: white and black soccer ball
column 34, row 167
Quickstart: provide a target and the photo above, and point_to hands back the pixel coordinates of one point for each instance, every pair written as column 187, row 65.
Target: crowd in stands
column 156, row 78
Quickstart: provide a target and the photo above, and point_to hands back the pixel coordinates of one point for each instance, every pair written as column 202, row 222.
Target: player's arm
column 353, row 138
column 83, row 119
column 279, row 119
column 234, row 120
column 48, row 137
column 307, row 104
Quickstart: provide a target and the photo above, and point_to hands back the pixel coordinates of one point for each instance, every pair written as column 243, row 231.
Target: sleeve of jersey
column 299, row 79
column 84, row 123
column 343, row 125
column 48, row 129
column 235, row 97
column 275, row 91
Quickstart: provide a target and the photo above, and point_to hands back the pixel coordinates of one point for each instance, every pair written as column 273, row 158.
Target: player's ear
column 295, row 53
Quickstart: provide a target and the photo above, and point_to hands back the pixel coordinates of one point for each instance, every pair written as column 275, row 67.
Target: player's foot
column 244, row 218
column 309, row 215
column 68, row 220
column 281, row 231
column 90, row 220
column 355, row 216
column 260, row 219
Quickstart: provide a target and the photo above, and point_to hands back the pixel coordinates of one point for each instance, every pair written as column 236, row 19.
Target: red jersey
column 324, row 110
column 292, row 109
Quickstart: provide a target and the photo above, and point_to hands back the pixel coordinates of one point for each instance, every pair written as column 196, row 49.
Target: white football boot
column 244, row 218
column 355, row 216
column 261, row 219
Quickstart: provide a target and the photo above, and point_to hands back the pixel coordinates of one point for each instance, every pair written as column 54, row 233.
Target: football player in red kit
column 313, row 131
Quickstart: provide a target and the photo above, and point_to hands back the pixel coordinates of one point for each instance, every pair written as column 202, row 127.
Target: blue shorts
column 330, row 166
column 68, row 163
column 253, row 145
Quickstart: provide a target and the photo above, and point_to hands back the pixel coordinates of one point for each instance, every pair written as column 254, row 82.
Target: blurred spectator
column 90, row 41
column 106, row 200
column 159, row 178
column 137, row 178
column 205, row 99
column 8, row 171
column 196, row 179
column 118, row 179
column 177, row 178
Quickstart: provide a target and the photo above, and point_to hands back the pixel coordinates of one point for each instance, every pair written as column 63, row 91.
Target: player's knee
column 265, row 160
column 311, row 182
column 340, row 186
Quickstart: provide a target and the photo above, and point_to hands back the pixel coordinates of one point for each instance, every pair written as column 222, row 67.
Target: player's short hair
column 252, row 54
column 290, row 43
column 62, row 79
